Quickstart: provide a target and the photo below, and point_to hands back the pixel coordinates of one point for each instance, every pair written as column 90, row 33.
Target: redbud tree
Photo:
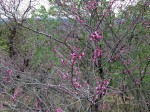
column 101, row 60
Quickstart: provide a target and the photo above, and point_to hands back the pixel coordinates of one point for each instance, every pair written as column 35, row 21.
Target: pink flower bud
column 82, row 54
column 95, row 36
column 59, row 110
column 9, row 72
column 63, row 62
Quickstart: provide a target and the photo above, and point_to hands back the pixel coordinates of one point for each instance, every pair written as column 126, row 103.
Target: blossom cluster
column 95, row 36
column 59, row 110
column 97, row 54
column 80, row 20
column 101, row 87
column 9, row 74
column 38, row 104
column 76, row 84
column 75, row 56
column 91, row 5
column 16, row 94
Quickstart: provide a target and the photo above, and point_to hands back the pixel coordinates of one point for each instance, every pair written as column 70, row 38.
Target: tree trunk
column 95, row 108
column 11, row 43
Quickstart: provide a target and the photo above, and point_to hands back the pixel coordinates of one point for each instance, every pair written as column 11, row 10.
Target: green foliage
column 52, row 11
column 41, row 12
column 4, row 33
column 3, row 44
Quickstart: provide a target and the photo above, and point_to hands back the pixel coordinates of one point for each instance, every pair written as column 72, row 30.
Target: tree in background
column 13, row 14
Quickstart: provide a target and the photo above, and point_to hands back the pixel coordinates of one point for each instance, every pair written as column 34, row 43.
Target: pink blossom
column 80, row 20
column 91, row 5
column 81, row 55
column 1, row 106
column 8, row 80
column 76, row 84
column 8, row 77
column 16, row 94
column 38, row 104
column 59, row 110
column 101, row 87
column 76, row 93
column 65, row 76
column 97, row 54
column 137, row 82
column 77, row 69
column 9, row 72
column 75, row 56
column 95, row 36
column 63, row 62
column 106, row 82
